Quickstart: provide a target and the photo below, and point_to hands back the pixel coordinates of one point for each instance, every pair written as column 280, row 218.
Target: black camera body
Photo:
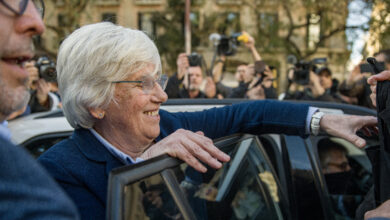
column 302, row 70
column 228, row 44
column 46, row 69
column 195, row 59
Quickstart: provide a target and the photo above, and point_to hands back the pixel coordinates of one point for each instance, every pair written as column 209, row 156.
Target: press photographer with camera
column 307, row 81
column 187, row 81
column 41, row 76
column 255, row 80
column 355, row 87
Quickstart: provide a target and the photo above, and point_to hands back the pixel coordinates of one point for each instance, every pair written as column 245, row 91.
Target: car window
column 244, row 188
column 38, row 145
column 346, row 185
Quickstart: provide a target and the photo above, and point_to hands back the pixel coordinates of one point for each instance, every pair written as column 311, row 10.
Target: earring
column 101, row 115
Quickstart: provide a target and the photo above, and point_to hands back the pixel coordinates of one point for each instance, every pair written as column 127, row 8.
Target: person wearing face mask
column 344, row 185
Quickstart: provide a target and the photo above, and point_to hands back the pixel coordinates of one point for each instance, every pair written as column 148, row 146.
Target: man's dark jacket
column 26, row 189
column 175, row 89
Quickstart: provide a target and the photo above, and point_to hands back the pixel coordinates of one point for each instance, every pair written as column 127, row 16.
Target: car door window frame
column 164, row 165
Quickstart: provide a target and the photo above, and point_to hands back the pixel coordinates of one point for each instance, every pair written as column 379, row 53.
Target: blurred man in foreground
column 26, row 190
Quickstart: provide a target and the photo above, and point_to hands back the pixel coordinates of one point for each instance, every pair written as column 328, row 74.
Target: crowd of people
column 111, row 87
column 254, row 80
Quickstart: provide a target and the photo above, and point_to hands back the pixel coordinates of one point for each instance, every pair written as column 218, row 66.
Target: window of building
column 313, row 30
column 146, row 23
column 194, row 18
column 62, row 20
column 268, row 22
column 229, row 23
column 110, row 17
column 268, row 29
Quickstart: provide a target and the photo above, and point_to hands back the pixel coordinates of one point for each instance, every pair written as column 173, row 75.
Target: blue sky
column 359, row 14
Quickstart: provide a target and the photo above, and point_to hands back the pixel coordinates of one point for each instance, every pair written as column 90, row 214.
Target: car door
column 305, row 185
column 246, row 187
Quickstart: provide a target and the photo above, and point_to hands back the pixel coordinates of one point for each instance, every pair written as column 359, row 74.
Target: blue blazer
column 81, row 164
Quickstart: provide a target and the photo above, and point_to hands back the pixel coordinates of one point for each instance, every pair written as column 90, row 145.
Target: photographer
column 330, row 86
column 355, row 87
column 40, row 86
column 261, row 86
column 187, row 81
column 255, row 80
column 308, row 82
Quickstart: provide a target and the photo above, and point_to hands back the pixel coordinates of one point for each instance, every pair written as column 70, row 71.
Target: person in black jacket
column 187, row 81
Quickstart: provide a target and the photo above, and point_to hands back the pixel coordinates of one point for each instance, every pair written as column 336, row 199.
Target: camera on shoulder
column 302, row 70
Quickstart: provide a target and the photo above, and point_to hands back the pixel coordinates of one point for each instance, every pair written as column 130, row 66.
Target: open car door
column 166, row 188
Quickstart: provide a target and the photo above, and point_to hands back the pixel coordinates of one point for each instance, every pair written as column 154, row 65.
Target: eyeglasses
column 148, row 82
column 19, row 6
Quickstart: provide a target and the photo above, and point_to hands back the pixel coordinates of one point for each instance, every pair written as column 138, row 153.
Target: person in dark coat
column 112, row 88
column 26, row 189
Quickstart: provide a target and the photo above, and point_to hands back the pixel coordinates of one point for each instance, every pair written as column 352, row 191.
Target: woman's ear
column 97, row 113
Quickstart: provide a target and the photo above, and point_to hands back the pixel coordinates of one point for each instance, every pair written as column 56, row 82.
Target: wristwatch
column 315, row 122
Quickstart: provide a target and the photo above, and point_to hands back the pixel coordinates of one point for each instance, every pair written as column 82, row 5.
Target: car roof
column 37, row 124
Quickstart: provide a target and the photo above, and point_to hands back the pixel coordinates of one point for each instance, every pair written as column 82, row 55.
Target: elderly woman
column 111, row 85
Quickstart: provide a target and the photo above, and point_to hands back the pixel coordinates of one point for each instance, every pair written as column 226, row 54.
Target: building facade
column 275, row 24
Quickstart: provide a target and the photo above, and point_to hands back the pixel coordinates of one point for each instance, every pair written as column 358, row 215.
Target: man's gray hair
column 91, row 58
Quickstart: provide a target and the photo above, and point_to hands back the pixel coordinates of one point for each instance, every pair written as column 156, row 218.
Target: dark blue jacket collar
column 94, row 150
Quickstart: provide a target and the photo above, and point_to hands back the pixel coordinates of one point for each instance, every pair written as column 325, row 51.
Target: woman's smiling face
column 135, row 111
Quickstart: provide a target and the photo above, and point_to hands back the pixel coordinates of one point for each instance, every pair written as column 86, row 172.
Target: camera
column 302, row 70
column 46, row 69
column 195, row 59
column 227, row 45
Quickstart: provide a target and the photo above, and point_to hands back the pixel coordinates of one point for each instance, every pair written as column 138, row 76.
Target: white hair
column 91, row 58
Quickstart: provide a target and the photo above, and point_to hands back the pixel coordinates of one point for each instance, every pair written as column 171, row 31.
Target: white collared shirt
column 126, row 159
column 4, row 131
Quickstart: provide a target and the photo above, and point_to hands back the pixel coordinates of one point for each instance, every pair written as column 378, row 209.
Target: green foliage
column 380, row 23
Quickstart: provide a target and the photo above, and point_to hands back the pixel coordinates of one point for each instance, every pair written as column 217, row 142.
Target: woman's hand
column 191, row 147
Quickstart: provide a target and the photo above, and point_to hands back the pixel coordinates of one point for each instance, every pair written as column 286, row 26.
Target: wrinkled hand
column 346, row 126
column 372, row 81
column 382, row 211
column 182, row 65
column 190, row 147
column 43, row 89
column 210, row 89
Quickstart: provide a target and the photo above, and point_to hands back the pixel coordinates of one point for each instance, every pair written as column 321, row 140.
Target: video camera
column 46, row 69
column 227, row 45
column 302, row 70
